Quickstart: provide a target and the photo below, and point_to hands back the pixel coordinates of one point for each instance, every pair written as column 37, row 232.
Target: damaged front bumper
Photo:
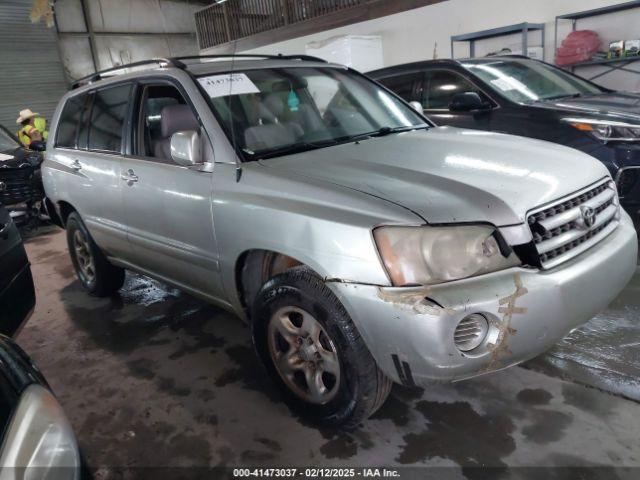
column 410, row 331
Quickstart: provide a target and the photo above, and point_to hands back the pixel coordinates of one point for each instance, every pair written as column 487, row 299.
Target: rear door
column 100, row 149
column 85, row 162
column 167, row 206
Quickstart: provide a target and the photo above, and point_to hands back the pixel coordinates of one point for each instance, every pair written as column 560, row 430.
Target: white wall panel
column 411, row 36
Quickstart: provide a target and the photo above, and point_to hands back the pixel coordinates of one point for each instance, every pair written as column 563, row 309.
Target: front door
column 168, row 207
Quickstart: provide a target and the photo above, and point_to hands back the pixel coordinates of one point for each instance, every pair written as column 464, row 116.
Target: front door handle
column 130, row 177
column 76, row 165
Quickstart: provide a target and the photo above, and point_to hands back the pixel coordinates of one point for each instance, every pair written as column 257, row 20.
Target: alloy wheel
column 84, row 257
column 304, row 355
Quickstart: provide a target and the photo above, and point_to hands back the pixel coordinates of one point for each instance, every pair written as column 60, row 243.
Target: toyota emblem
column 588, row 216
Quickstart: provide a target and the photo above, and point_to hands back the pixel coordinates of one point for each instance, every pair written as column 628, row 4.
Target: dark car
column 21, row 189
column 34, row 432
column 526, row 97
column 17, row 293
column 36, row 438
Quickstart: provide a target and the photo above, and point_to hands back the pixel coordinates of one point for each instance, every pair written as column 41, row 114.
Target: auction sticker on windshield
column 228, row 84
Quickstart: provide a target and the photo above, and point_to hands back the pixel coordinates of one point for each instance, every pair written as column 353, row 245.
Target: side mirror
column 417, row 106
column 38, row 146
column 185, row 148
column 467, row 102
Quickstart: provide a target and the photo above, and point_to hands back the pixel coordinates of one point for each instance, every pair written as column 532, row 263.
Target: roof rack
column 94, row 77
column 178, row 62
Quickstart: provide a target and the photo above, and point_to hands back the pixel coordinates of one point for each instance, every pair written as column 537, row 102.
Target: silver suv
column 363, row 245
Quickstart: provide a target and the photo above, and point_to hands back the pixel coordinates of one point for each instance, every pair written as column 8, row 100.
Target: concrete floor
column 153, row 377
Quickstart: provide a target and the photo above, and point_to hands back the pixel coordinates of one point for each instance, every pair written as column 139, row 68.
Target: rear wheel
column 314, row 352
column 94, row 271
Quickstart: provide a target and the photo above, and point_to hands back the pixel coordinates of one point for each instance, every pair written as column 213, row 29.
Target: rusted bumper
column 410, row 331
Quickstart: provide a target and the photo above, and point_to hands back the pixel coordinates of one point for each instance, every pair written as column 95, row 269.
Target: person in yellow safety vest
column 41, row 124
column 29, row 132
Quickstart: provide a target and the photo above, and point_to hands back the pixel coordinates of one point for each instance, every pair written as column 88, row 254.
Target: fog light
column 470, row 332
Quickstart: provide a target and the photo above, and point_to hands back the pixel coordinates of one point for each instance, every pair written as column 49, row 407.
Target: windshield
column 6, row 142
column 278, row 111
column 527, row 81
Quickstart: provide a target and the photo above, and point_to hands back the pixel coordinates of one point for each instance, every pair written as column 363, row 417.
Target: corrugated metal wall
column 31, row 74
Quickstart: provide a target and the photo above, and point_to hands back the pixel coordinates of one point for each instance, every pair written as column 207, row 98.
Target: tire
column 94, row 271
column 345, row 392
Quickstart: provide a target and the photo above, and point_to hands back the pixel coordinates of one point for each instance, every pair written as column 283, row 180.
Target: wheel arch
column 254, row 267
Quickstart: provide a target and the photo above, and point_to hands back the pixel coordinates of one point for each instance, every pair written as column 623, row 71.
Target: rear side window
column 69, row 121
column 110, row 106
column 408, row 85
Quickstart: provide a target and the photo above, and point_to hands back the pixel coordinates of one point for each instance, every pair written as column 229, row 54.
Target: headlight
column 605, row 130
column 429, row 255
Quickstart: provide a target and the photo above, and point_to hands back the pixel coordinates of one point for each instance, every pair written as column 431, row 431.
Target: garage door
column 32, row 74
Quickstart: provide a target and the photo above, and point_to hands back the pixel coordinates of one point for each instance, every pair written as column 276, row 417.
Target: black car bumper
column 623, row 162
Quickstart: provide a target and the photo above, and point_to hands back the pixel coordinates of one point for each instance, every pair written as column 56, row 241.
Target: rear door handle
column 130, row 176
column 76, row 165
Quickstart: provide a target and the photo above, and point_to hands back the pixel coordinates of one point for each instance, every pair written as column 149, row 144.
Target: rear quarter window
column 69, row 121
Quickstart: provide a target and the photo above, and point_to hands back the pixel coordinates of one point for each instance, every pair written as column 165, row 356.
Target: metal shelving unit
column 612, row 64
column 523, row 28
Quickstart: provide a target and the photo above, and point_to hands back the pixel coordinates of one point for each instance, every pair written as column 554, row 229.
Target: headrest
column 288, row 85
column 274, row 103
column 175, row 118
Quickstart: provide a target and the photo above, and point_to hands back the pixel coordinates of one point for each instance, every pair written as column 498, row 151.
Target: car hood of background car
column 450, row 175
column 621, row 105
column 19, row 158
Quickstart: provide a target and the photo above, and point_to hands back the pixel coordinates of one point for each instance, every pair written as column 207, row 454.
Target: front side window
column 162, row 111
column 441, row 86
column 107, row 118
column 70, row 120
column 528, row 81
column 270, row 112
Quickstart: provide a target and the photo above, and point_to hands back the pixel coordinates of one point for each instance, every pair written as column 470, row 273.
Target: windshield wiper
column 558, row 97
column 382, row 132
column 306, row 146
column 289, row 149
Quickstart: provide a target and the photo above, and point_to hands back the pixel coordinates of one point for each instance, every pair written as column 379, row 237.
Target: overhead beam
column 128, row 34
column 92, row 39
column 341, row 18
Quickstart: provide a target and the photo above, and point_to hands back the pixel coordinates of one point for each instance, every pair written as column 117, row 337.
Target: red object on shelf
column 579, row 46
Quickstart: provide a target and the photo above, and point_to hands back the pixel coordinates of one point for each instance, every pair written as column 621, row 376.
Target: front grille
column 570, row 226
column 19, row 185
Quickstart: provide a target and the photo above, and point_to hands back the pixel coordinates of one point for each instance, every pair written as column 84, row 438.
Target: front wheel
column 94, row 271
column 313, row 351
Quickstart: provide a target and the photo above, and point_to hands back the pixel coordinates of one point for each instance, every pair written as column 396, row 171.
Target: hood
column 449, row 175
column 624, row 106
column 19, row 158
